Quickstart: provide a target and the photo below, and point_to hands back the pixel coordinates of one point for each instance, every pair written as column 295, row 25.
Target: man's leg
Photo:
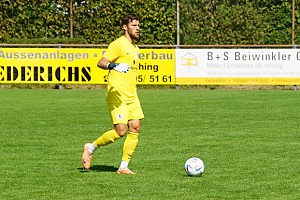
column 130, row 144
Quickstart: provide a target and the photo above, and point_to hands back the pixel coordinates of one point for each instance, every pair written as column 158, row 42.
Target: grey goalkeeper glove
column 120, row 67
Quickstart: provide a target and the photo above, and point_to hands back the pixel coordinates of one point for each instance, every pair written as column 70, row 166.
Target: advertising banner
column 78, row 66
column 238, row 66
column 156, row 66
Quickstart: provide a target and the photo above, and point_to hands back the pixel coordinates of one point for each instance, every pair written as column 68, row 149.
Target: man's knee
column 121, row 129
column 135, row 126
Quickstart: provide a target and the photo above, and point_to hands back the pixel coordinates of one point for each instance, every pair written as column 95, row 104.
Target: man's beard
column 134, row 37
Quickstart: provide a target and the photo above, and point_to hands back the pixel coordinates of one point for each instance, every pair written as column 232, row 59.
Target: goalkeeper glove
column 120, row 67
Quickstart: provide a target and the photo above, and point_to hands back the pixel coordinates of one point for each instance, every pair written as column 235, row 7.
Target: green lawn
column 248, row 139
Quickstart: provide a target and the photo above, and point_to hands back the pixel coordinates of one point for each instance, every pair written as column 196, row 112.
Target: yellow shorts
column 121, row 113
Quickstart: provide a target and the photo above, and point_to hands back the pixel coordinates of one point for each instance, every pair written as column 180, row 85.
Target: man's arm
column 102, row 63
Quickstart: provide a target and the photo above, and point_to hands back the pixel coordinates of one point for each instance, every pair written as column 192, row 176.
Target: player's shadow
column 99, row 168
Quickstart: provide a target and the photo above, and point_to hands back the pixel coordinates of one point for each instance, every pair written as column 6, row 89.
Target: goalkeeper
column 121, row 59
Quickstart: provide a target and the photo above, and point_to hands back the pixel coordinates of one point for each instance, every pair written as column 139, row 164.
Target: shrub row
column 201, row 21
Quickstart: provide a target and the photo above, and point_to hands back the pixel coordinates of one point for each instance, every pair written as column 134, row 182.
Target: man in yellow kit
column 121, row 59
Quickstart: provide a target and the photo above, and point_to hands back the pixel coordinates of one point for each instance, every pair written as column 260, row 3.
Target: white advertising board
column 238, row 66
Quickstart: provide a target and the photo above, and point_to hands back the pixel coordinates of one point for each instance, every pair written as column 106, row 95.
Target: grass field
column 248, row 139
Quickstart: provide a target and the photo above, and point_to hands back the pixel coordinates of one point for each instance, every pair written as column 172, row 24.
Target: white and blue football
column 194, row 166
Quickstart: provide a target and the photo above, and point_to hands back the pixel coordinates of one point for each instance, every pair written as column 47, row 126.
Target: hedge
column 201, row 21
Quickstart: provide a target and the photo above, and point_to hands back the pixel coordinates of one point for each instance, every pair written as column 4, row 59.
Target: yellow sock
column 107, row 138
column 129, row 145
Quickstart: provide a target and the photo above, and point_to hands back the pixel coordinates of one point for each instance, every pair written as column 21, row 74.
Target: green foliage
column 238, row 22
column 33, row 19
column 297, row 22
column 47, row 41
column 201, row 21
column 100, row 21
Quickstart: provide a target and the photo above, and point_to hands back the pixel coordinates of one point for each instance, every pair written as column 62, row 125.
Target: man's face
column 133, row 29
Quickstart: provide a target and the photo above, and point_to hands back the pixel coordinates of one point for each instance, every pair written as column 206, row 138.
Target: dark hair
column 129, row 18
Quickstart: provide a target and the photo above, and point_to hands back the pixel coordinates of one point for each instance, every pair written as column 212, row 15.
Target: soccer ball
column 194, row 167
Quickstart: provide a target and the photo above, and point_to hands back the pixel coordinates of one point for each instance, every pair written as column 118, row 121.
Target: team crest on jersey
column 120, row 116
